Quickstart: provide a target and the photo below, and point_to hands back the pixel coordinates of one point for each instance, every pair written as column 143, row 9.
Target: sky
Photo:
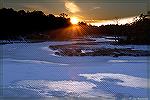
column 88, row 10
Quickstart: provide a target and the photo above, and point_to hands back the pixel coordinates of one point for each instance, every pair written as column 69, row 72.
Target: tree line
column 37, row 25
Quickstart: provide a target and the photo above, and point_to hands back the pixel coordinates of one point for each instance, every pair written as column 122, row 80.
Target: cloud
column 94, row 8
column 71, row 7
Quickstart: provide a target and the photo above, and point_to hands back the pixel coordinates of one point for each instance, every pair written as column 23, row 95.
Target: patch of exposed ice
column 121, row 79
column 47, row 49
column 55, row 55
column 85, row 51
column 103, row 40
column 36, row 62
column 128, row 61
column 60, row 88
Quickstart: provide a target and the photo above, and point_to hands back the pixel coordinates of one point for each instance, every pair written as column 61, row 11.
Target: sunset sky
column 91, row 11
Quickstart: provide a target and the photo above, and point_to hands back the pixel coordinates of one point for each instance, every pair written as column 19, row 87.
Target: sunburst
column 74, row 20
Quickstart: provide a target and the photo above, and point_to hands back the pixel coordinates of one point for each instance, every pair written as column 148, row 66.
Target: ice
column 103, row 39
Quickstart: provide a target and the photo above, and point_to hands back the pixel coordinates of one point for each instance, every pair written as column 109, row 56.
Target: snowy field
column 33, row 70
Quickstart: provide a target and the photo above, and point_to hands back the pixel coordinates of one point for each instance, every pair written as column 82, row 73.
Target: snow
column 35, row 62
column 121, row 79
column 65, row 87
column 32, row 69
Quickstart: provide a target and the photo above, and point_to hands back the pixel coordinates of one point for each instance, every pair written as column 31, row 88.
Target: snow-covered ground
column 33, row 70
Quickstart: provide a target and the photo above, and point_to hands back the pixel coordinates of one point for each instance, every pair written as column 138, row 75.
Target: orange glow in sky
column 120, row 21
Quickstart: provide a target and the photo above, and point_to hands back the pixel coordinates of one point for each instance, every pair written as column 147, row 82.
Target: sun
column 74, row 20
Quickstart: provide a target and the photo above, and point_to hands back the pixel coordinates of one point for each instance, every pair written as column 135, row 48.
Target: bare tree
column 116, row 20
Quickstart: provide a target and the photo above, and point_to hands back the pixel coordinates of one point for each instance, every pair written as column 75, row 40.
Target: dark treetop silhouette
column 20, row 23
column 38, row 26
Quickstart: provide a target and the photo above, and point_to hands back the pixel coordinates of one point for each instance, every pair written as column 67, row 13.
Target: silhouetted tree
column 63, row 15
